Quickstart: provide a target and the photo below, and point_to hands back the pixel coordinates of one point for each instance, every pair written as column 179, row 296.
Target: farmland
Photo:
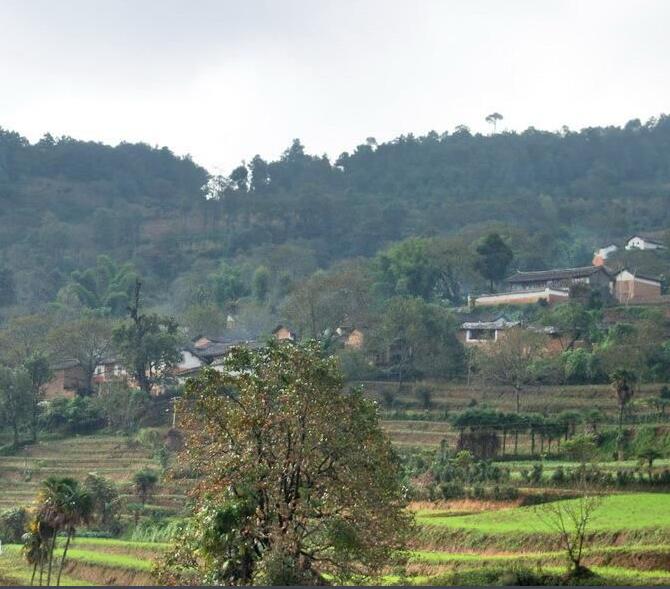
column 457, row 541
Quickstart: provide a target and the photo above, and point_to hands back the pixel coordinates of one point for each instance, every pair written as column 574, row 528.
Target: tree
column 327, row 300
column 39, row 374
column 298, row 480
column 105, row 287
column 494, row 258
column 648, row 454
column 145, row 482
column 418, row 338
column 260, row 283
column 493, row 119
column 88, row 341
column 15, row 405
column 572, row 320
column 570, row 519
column 148, row 344
column 622, row 383
column 105, row 501
column 511, row 361
column 62, row 505
column 409, row 268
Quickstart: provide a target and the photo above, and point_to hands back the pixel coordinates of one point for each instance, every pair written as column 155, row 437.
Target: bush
column 72, row 416
column 123, row 408
column 13, row 524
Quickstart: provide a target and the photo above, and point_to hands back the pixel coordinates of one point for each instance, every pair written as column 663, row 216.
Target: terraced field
column 629, row 542
column 90, row 562
column 115, row 457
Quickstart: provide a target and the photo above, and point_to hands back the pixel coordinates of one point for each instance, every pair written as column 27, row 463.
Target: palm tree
column 622, row 383
column 35, row 547
column 144, row 480
column 50, row 499
column 62, row 505
column 78, row 509
column 648, row 455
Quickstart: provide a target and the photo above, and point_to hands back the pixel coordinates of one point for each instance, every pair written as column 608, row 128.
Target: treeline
column 553, row 197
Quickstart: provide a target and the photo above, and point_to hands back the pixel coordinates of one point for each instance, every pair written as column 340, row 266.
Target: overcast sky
column 224, row 80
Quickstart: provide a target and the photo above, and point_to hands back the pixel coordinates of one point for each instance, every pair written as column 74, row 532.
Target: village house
column 632, row 287
column 526, row 297
column 549, row 286
column 602, row 254
column 351, row 337
column 67, row 378
column 281, row 333
column 643, row 242
column 475, row 333
column 488, row 333
column 596, row 277
column 110, row 369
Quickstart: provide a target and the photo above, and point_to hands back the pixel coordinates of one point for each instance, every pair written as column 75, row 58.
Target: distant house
column 351, row 337
column 521, row 297
column 643, row 242
column 489, row 333
column 474, row 333
column 632, row 287
column 281, row 333
column 67, row 378
column 601, row 255
column 564, row 278
column 110, row 369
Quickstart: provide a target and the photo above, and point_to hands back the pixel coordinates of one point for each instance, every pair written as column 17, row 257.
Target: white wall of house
column 640, row 243
column 188, row 361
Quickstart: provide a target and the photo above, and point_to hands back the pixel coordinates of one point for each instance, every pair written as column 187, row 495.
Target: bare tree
column 510, row 360
column 570, row 519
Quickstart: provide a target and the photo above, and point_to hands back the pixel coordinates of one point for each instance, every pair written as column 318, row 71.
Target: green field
column 617, row 512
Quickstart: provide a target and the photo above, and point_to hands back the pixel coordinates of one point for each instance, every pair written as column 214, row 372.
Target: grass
column 617, row 512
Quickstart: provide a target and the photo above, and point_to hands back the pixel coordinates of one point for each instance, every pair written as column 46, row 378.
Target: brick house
column 68, row 377
column 632, row 287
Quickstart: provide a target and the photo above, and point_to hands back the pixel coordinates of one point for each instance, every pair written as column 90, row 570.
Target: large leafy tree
column 105, row 287
column 298, row 481
column 418, row 338
column 147, row 343
column 494, row 258
column 88, row 341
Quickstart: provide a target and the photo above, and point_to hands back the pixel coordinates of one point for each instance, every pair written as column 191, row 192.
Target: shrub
column 13, row 524
column 72, row 416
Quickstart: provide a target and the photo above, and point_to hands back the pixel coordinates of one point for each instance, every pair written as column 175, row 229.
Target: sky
column 223, row 80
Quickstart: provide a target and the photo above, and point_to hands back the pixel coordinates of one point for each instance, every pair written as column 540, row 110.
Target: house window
column 481, row 335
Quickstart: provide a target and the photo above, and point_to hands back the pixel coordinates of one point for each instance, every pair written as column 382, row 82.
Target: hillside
column 553, row 195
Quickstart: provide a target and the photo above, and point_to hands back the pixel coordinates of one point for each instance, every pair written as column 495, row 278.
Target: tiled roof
column 559, row 274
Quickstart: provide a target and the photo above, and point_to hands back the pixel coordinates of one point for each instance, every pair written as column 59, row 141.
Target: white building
column 641, row 242
column 600, row 255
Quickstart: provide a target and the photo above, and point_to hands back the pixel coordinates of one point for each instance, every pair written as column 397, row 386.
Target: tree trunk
column 516, row 442
column 15, row 429
column 504, row 444
column 32, row 578
column 620, row 455
column 532, row 443
column 51, row 557
column 518, row 400
column 62, row 560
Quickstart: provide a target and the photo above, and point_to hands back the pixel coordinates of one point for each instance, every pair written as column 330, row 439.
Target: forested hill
column 554, row 195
